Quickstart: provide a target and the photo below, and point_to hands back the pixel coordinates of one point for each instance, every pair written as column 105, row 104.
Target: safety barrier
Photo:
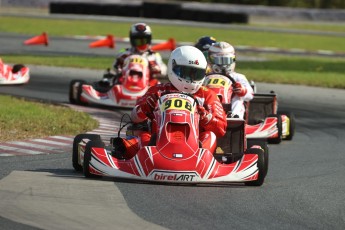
column 164, row 10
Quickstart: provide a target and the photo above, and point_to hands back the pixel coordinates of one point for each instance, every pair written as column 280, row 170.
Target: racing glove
column 239, row 89
column 205, row 116
column 154, row 68
column 150, row 104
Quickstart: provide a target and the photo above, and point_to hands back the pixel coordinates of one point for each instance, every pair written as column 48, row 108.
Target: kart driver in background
column 140, row 36
column 222, row 59
column 186, row 73
column 203, row 44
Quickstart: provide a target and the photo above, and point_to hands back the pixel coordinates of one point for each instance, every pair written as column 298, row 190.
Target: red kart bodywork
column 13, row 75
column 262, row 113
column 177, row 155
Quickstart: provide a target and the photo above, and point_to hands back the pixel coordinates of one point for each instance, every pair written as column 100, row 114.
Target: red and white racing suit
column 215, row 126
column 245, row 93
column 237, row 101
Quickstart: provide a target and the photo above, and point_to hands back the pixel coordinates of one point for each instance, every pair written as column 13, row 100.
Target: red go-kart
column 13, row 75
column 124, row 92
column 175, row 154
column 262, row 116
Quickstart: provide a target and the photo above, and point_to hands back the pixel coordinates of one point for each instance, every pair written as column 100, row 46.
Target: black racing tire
column 92, row 137
column 292, row 126
column 17, row 67
column 87, row 157
column 264, row 146
column 72, row 99
column 261, row 165
column 278, row 139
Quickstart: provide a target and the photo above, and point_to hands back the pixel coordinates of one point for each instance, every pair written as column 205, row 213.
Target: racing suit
column 212, row 126
column 237, row 101
column 242, row 92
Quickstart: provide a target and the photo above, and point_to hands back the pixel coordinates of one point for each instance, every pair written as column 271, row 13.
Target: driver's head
column 204, row 43
column 221, row 56
column 186, row 69
column 140, row 36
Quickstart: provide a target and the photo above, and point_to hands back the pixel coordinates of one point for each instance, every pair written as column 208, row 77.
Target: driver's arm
column 212, row 104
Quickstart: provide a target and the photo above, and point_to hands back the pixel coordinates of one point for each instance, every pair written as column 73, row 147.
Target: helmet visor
column 140, row 41
column 189, row 73
column 222, row 60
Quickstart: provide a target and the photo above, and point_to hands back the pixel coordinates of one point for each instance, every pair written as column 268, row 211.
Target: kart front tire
column 261, row 165
column 77, row 139
column 87, row 157
column 264, row 146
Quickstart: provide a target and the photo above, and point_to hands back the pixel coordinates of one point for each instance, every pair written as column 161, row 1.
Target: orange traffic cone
column 108, row 41
column 168, row 45
column 38, row 40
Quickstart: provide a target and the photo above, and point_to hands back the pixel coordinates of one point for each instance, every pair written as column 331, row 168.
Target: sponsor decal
column 196, row 62
column 140, row 27
column 177, row 155
column 170, row 176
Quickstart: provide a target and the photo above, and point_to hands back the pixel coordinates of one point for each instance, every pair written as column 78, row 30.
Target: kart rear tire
column 292, row 126
column 72, row 99
column 87, row 157
column 92, row 137
column 261, row 165
column 264, row 146
column 278, row 139
column 17, row 67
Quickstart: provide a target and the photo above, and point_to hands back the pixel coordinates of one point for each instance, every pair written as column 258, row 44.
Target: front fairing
column 178, row 126
column 118, row 95
column 221, row 85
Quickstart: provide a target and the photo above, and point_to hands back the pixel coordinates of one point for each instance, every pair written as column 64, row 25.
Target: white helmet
column 186, row 69
column 222, row 57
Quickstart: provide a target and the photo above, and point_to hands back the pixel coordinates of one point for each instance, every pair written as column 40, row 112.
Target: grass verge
column 21, row 119
column 310, row 71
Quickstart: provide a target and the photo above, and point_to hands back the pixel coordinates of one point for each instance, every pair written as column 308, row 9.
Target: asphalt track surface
column 304, row 187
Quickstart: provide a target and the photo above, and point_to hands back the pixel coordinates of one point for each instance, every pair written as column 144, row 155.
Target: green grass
column 308, row 26
column 20, row 119
column 61, row 61
column 312, row 71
